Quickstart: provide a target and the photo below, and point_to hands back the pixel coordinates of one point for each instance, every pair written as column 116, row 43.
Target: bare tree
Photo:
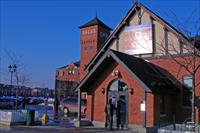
column 185, row 51
column 21, row 77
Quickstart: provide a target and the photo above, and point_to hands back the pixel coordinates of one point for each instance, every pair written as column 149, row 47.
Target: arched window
column 118, row 85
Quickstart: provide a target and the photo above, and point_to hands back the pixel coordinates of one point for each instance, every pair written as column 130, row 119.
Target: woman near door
column 109, row 114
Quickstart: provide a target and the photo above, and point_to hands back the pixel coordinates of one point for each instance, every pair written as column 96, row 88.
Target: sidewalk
column 58, row 126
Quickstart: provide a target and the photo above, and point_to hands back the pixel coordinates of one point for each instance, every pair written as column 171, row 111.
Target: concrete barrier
column 12, row 117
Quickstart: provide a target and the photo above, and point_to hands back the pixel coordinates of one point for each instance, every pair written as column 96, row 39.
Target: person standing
column 56, row 105
column 109, row 114
column 118, row 113
column 24, row 103
column 107, row 110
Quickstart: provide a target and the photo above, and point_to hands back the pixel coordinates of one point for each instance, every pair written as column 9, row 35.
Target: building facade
column 11, row 90
column 147, row 67
column 67, row 79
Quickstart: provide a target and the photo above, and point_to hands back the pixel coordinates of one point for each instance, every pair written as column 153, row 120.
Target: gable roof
column 144, row 72
column 196, row 40
column 77, row 64
column 123, row 23
column 62, row 67
column 95, row 21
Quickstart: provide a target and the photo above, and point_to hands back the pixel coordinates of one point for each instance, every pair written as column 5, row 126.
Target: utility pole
column 13, row 69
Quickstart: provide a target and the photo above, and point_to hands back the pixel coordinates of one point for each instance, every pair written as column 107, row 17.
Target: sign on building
column 138, row 39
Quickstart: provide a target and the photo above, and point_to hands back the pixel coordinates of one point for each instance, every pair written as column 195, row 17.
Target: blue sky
column 44, row 34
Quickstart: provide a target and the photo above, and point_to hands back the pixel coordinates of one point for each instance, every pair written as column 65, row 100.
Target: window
column 187, row 91
column 63, row 73
column 88, row 32
column 71, row 101
column 187, row 81
column 118, row 85
column 71, row 72
column 181, row 46
column 87, row 48
column 90, row 48
column 103, row 34
column 162, row 105
column 83, row 102
column 187, row 99
column 84, row 32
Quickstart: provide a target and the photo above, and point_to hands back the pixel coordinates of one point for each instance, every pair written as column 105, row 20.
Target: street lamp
column 12, row 69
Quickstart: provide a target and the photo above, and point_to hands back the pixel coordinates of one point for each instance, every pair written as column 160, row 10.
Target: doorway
column 117, row 91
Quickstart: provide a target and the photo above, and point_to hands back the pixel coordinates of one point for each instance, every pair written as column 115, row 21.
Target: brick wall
column 97, row 100
column 150, row 110
column 96, row 112
column 90, row 44
column 66, row 81
column 88, row 47
column 176, row 72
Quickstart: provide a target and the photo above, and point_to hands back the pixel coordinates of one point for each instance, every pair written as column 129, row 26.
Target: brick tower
column 92, row 37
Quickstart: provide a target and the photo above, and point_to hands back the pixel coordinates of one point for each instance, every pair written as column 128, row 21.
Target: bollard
column 44, row 119
column 30, row 118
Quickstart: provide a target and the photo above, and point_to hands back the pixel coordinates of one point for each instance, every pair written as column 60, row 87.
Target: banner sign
column 138, row 39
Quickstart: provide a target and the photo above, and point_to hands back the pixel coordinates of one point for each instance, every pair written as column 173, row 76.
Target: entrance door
column 118, row 93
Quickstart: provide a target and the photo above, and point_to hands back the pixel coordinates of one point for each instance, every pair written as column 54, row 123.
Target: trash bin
column 30, row 117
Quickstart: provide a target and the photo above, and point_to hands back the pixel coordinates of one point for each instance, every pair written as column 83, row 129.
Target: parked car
column 70, row 105
column 41, row 100
column 6, row 103
column 32, row 100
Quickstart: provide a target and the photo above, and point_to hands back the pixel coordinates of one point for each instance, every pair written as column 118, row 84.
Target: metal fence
column 180, row 128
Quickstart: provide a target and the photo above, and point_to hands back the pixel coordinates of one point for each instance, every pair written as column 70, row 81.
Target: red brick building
column 92, row 37
column 140, row 66
column 67, row 79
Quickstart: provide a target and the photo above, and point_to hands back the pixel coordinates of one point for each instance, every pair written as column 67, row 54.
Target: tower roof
column 95, row 21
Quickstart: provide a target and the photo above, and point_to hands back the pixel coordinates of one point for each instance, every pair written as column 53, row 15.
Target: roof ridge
column 135, row 66
column 95, row 21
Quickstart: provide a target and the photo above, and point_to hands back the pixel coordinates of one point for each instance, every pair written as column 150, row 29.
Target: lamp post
column 12, row 69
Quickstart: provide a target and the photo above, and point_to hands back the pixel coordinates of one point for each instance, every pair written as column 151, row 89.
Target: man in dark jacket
column 118, row 112
column 56, row 105
column 24, row 102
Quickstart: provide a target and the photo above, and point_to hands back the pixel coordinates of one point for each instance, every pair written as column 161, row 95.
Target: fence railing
column 180, row 128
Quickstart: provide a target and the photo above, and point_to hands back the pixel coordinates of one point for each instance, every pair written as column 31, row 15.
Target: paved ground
column 59, row 130
column 57, row 127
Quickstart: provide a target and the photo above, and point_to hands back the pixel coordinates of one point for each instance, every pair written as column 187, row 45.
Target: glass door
column 120, row 112
column 123, row 111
